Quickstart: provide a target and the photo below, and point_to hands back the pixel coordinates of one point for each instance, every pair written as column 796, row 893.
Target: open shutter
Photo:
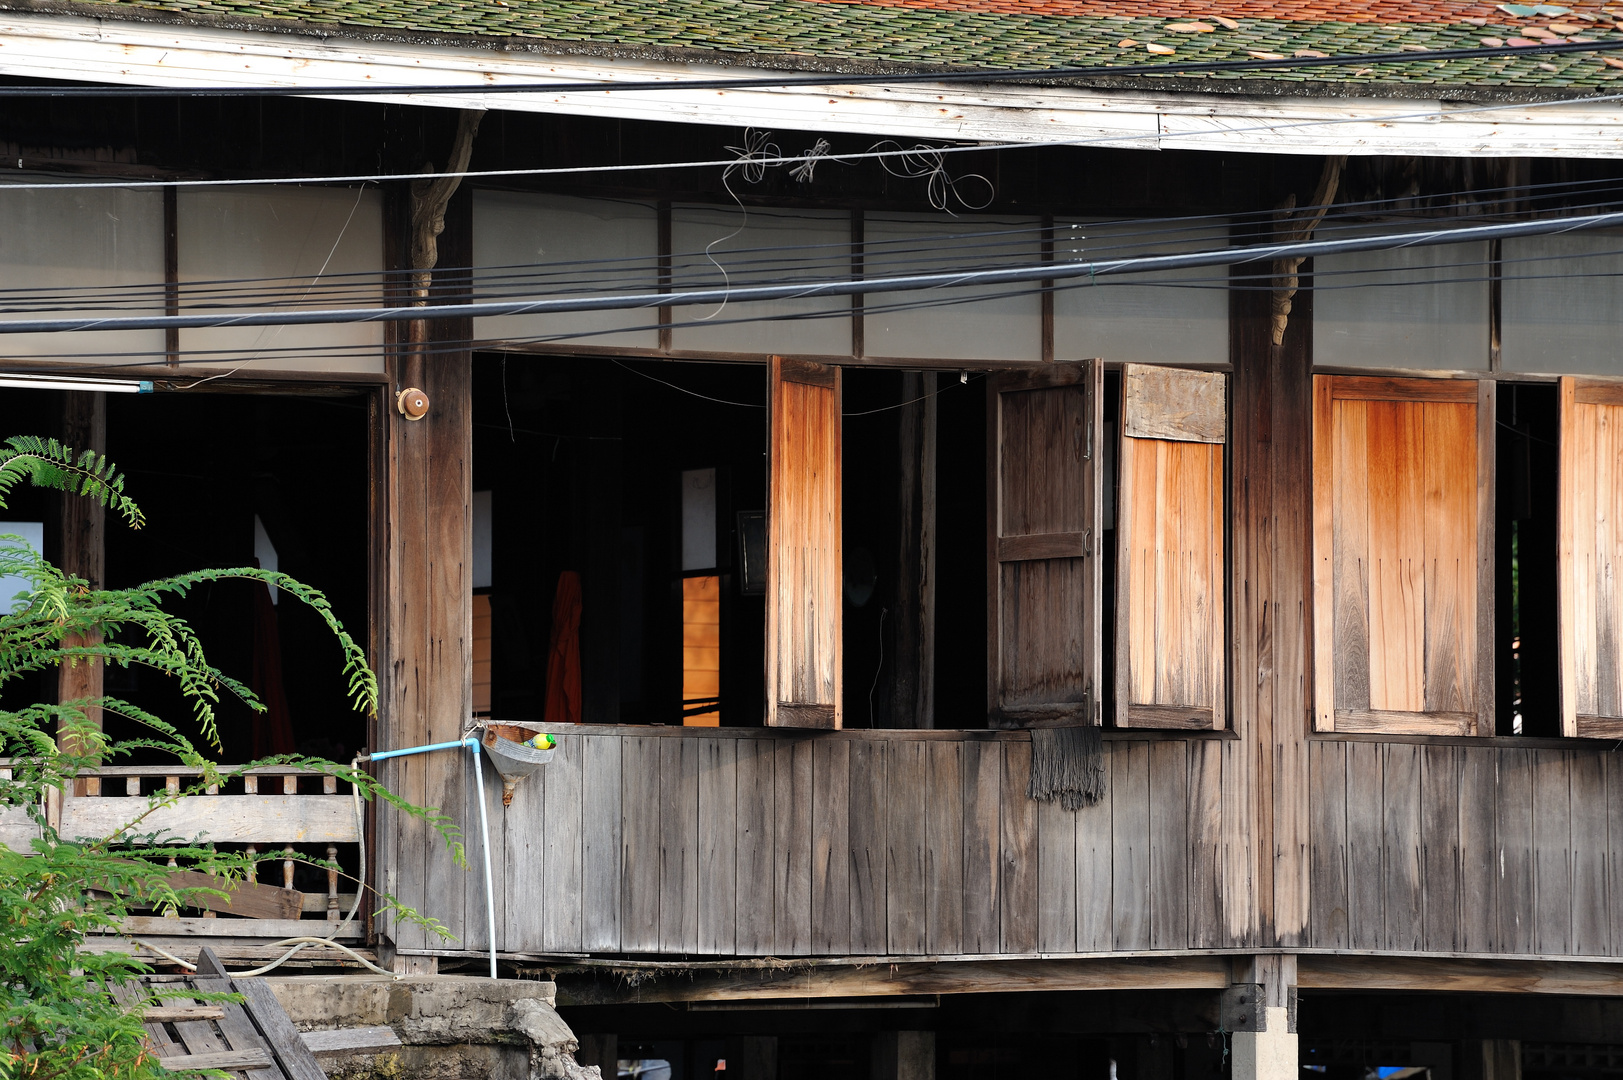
column 1171, row 606
column 1591, row 558
column 1044, row 577
column 1403, row 555
column 804, row 587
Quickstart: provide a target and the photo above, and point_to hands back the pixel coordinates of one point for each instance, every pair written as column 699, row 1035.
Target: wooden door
column 1403, row 555
column 1044, row 578
column 1171, row 599
column 804, row 586
column 1591, row 558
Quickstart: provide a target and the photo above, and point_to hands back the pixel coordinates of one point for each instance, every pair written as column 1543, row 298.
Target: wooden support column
column 84, row 546
column 1260, row 1008
column 751, row 1057
column 1266, row 874
column 426, row 664
column 914, row 705
column 903, row 1055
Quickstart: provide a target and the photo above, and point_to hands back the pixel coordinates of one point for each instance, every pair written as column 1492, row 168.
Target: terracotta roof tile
column 1011, row 33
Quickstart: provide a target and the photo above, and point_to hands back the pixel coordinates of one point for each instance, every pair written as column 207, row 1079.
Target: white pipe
column 484, row 832
column 472, row 743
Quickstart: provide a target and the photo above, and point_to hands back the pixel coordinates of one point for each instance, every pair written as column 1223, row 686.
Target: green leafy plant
column 70, row 1010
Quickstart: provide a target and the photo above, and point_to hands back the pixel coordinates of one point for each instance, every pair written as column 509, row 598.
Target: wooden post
column 1265, row 873
column 426, row 662
column 84, row 550
column 1260, row 1008
column 751, row 1057
column 903, row 1055
column 914, row 700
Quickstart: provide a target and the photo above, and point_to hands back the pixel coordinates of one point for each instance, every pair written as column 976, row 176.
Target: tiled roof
column 1024, row 33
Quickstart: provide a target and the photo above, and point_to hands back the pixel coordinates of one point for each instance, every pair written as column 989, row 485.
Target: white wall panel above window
column 1422, row 308
column 260, row 248
column 82, row 252
column 526, row 244
column 712, row 246
column 1560, row 303
column 1168, row 317
column 998, row 322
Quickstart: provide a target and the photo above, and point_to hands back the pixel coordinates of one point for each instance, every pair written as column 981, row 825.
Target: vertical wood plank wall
column 1466, row 849
column 857, row 843
column 723, row 843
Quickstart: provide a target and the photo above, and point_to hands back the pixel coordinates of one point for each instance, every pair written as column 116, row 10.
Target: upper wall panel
column 716, row 246
column 995, row 322
column 249, row 248
column 74, row 252
column 1167, row 317
column 1422, row 308
column 1561, row 298
column 525, row 244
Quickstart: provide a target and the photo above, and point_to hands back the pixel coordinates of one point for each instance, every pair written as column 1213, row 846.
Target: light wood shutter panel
column 1403, row 555
column 1591, row 557
column 1171, row 600
column 804, row 587
column 1044, row 578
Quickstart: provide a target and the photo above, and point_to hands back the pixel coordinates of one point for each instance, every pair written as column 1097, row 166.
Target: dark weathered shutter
column 1403, row 555
column 804, row 586
column 1171, row 603
column 1591, row 558
column 1044, row 577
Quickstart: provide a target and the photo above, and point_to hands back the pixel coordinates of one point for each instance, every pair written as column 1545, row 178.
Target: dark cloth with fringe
column 1067, row 765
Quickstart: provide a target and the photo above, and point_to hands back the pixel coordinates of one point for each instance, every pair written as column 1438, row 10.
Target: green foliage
column 69, row 1011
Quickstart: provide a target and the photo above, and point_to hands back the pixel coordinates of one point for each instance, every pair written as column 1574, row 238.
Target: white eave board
column 61, row 47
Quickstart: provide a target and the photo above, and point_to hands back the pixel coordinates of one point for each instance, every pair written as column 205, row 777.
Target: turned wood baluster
column 332, row 882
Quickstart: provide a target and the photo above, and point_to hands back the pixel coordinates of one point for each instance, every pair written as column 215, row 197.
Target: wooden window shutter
column 1044, row 577
column 1171, row 600
column 805, row 591
column 1403, row 555
column 1590, row 559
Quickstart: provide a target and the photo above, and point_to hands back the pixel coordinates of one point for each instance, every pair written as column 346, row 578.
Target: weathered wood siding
column 1466, row 849
column 748, row 843
column 1591, row 556
column 1402, row 553
column 1171, row 605
column 1044, row 576
column 804, row 604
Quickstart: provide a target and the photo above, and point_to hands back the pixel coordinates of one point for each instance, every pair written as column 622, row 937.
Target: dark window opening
column 229, row 480
column 620, row 492
column 907, row 501
column 1527, row 670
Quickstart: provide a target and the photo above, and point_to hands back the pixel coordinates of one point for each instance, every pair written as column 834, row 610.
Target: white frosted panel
column 1419, row 307
column 1165, row 317
column 795, row 245
column 484, row 533
column 698, row 519
column 90, row 252
column 295, row 247
column 976, row 323
column 1561, row 302
column 527, row 244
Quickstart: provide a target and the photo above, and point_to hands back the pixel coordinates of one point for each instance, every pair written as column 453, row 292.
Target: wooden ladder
column 252, row 1037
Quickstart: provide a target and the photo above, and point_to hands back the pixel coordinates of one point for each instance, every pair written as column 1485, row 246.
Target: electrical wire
column 1114, row 140
column 1093, row 269
column 25, row 298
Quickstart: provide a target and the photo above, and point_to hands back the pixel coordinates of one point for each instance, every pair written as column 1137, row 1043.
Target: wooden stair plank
column 297, row 1062
column 229, row 1060
column 361, row 1040
column 162, row 1014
